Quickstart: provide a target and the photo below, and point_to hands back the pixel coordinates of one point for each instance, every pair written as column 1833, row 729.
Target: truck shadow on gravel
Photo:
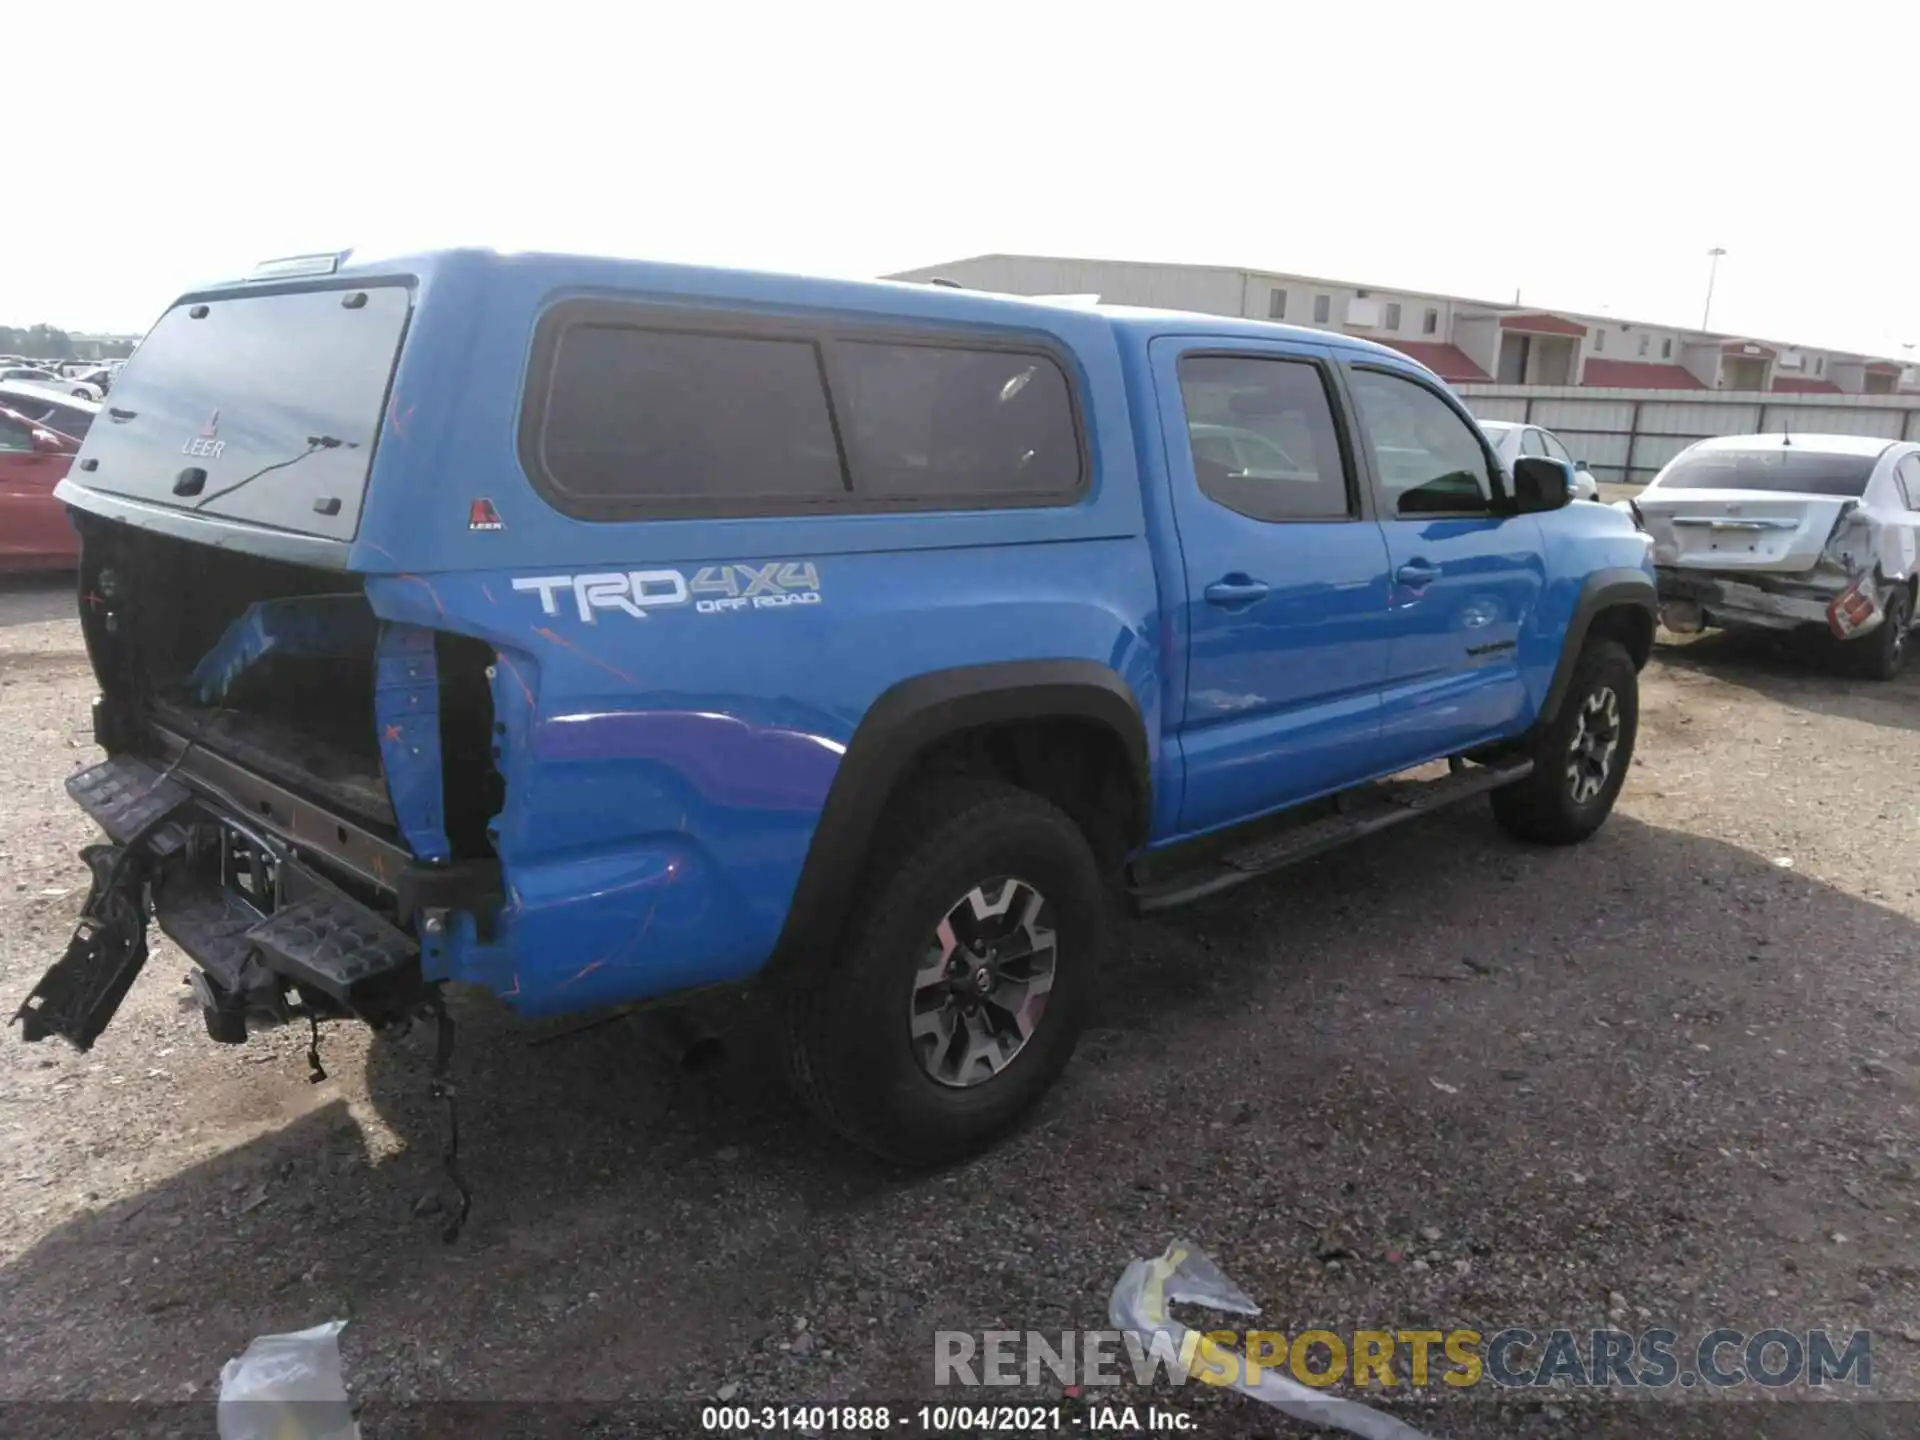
column 1655, row 1064
column 1797, row 674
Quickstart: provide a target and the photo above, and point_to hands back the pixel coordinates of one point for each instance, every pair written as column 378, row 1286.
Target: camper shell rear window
column 261, row 407
column 635, row 411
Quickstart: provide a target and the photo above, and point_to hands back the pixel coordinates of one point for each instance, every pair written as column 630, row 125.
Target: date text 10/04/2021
column 942, row 1419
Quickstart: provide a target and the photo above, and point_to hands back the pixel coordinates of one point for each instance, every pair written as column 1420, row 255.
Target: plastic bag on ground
column 287, row 1387
column 1184, row 1275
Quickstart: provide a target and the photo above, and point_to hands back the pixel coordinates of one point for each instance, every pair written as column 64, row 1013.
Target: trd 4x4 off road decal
column 765, row 587
column 714, row 589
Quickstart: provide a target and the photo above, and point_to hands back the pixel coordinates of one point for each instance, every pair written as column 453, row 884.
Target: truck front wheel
column 1580, row 760
column 964, row 977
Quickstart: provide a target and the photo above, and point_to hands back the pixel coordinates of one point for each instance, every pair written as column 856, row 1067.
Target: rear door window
column 70, row 420
column 276, row 399
column 27, row 407
column 1263, row 437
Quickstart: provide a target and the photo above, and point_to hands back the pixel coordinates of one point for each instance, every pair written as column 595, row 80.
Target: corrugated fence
column 1625, row 436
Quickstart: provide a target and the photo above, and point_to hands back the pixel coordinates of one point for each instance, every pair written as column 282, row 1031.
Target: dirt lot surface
column 1436, row 1080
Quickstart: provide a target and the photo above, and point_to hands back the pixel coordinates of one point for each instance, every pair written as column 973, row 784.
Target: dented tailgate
column 1739, row 529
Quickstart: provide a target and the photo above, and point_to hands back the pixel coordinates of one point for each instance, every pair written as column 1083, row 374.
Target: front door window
column 1429, row 459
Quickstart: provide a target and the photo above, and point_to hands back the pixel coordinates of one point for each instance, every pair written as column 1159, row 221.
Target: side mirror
column 1540, row 484
column 1581, row 465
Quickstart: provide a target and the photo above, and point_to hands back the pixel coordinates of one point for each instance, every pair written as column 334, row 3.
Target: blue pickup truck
column 596, row 632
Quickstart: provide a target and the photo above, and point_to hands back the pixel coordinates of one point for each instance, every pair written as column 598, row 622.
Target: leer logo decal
column 206, row 444
column 714, row 589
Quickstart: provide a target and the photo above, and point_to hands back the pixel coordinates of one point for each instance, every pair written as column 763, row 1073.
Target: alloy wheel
column 1596, row 735
column 983, row 982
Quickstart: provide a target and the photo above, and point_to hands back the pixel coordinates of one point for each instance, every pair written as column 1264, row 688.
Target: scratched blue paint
column 721, row 759
column 406, row 713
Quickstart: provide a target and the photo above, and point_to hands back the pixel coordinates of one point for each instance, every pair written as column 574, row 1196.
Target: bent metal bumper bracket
column 135, row 805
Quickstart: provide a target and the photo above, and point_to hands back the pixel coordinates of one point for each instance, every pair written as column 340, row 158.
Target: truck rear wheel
column 964, row 977
column 1580, row 760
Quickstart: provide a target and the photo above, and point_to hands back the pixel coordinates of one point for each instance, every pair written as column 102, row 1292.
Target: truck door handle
column 1236, row 589
column 1416, row 574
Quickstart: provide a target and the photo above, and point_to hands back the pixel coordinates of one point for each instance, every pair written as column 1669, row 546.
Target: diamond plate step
column 210, row 924
column 337, row 946
column 126, row 795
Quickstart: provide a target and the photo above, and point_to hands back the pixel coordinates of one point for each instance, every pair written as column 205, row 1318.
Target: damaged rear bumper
column 1690, row 600
column 272, row 938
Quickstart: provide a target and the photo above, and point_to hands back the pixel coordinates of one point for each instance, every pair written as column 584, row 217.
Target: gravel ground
column 1439, row 1079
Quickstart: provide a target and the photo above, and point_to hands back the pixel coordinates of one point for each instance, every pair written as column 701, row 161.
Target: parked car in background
column 1795, row 533
column 91, row 372
column 1245, row 453
column 40, row 375
column 1511, row 439
column 35, row 533
column 54, row 409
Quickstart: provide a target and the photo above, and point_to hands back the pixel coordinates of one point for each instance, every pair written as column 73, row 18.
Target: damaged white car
column 1792, row 533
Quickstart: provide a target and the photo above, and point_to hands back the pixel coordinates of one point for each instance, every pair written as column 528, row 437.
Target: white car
column 1246, row 452
column 1812, row 533
column 1511, row 439
column 34, row 375
column 95, row 373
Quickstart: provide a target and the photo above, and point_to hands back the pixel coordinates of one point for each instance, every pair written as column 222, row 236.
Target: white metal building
column 1464, row 341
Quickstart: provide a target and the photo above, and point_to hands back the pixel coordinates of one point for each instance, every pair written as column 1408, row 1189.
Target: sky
column 1585, row 157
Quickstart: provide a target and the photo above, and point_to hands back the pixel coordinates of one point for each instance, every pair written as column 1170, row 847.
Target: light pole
column 1713, row 268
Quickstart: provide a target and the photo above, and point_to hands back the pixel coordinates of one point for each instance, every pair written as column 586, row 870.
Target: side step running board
column 1365, row 811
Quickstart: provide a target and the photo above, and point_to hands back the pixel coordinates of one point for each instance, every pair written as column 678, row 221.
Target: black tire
column 1547, row 807
column 1881, row 655
column 847, row 1035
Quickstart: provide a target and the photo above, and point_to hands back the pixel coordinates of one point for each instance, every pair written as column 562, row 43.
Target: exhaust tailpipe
column 681, row 1037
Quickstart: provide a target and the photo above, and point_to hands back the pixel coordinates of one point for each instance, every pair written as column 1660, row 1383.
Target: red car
column 34, row 531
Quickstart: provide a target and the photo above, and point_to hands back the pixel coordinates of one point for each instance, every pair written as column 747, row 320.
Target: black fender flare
column 897, row 729
column 1602, row 590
